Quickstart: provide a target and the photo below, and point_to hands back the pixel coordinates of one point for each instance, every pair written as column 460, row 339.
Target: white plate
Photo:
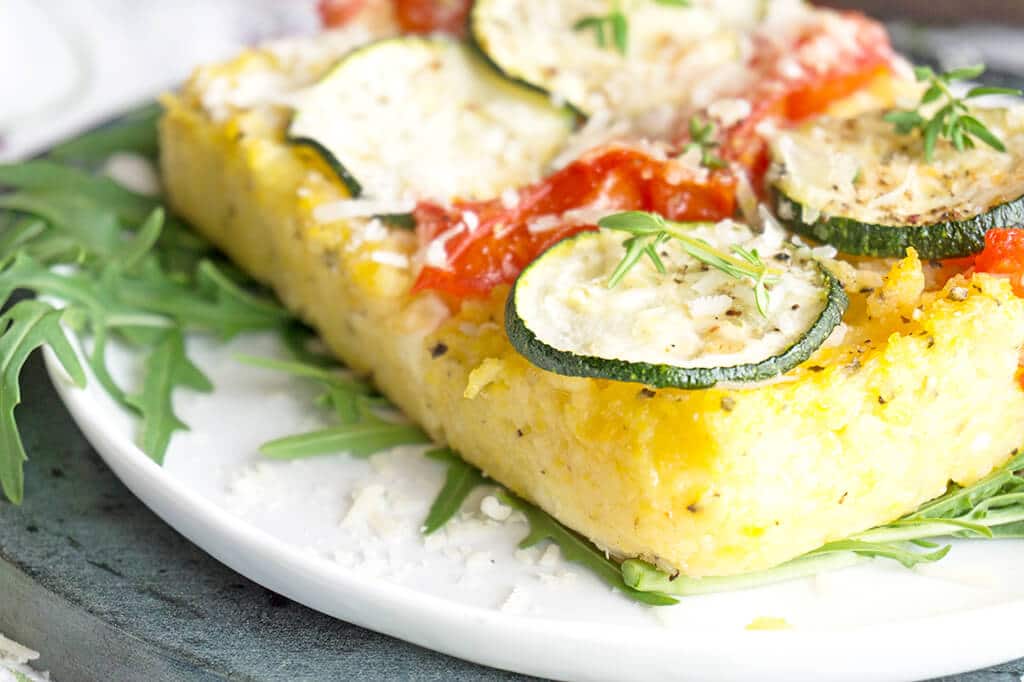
column 341, row 536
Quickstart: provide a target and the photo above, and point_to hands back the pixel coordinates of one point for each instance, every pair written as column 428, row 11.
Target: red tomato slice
column 502, row 243
column 829, row 58
column 429, row 16
column 1003, row 255
column 339, row 12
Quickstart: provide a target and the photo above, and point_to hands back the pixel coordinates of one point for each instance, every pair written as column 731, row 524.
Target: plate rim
column 478, row 634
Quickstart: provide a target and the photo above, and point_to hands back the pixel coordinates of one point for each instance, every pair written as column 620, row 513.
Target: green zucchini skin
column 347, row 179
column 479, row 45
column 950, row 239
column 567, row 363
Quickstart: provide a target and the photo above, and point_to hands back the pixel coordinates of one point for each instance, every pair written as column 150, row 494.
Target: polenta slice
column 916, row 388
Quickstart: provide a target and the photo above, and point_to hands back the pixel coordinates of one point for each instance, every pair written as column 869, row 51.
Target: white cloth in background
column 66, row 65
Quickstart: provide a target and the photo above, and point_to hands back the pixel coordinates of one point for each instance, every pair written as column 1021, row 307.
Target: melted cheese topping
column 860, row 168
column 693, row 316
column 670, row 49
column 426, row 118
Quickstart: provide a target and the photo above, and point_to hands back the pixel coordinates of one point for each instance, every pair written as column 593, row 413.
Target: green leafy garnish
column 952, row 121
column 124, row 272
column 702, row 138
column 612, row 28
column 26, row 326
column 135, row 132
column 991, row 508
column 361, row 431
column 462, row 479
column 166, row 369
column 650, row 231
column 577, row 549
column 609, row 29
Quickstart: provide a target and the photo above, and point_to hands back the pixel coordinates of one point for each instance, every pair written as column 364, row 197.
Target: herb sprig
column 991, row 508
column 953, row 120
column 702, row 138
column 612, row 28
column 650, row 231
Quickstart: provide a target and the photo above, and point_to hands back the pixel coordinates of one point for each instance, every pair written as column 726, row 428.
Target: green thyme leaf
column 650, row 231
column 952, row 121
column 703, row 138
column 461, row 479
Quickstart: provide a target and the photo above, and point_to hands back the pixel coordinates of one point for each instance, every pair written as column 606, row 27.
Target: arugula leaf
column 461, row 479
column 328, row 377
column 44, row 176
column 991, row 508
column 356, row 440
column 166, row 368
column 27, row 325
column 135, row 132
column 298, row 338
column 578, row 550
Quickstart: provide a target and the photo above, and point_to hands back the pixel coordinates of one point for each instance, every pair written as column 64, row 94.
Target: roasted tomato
column 802, row 74
column 1003, row 255
column 339, row 12
column 473, row 246
column 429, row 16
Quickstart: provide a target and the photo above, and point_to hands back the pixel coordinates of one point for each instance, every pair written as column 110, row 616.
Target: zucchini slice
column 427, row 118
column 670, row 49
column 859, row 186
column 691, row 327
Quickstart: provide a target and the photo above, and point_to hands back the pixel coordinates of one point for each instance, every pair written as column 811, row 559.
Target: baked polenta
column 916, row 387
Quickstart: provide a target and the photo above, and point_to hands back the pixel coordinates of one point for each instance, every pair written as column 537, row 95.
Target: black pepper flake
column 795, row 306
column 904, row 319
column 732, row 312
column 438, row 350
column 882, row 401
column 693, row 508
column 646, row 393
column 728, row 403
column 867, row 290
column 843, row 498
column 816, row 368
column 519, row 433
column 931, row 341
column 782, row 256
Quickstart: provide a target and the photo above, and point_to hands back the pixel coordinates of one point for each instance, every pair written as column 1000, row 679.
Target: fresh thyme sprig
column 702, row 137
column 613, row 28
column 953, row 120
column 609, row 29
column 650, row 231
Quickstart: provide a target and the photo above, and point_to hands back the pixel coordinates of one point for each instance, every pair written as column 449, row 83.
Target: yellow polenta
column 921, row 388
